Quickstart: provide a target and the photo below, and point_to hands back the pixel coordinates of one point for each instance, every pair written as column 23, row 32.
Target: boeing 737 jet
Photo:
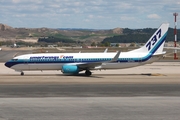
column 73, row 63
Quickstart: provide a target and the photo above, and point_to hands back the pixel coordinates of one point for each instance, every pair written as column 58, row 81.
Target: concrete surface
column 150, row 92
column 98, row 108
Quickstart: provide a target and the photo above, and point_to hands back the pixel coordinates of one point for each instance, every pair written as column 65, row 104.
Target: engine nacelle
column 70, row 69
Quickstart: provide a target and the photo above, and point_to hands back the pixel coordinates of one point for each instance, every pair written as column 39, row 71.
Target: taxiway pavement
column 145, row 92
column 90, row 108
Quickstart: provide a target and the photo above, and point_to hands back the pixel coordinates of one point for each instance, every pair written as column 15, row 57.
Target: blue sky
column 92, row 14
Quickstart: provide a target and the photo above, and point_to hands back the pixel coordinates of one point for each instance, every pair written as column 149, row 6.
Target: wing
column 95, row 65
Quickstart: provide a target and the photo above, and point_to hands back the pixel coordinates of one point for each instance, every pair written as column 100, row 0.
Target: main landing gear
column 88, row 73
column 22, row 73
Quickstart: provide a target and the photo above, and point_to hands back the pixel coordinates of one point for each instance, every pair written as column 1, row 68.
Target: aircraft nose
column 8, row 64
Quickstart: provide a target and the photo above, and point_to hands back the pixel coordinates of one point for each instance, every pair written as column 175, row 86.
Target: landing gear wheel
column 88, row 73
column 22, row 73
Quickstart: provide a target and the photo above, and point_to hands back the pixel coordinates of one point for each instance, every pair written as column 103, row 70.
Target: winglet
column 105, row 51
column 116, row 57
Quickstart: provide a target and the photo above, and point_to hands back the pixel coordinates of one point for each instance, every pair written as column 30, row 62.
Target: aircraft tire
column 88, row 73
column 22, row 73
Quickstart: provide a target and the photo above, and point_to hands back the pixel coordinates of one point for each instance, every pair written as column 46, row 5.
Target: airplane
column 74, row 63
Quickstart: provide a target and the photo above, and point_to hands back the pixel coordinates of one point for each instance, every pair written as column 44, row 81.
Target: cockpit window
column 14, row 59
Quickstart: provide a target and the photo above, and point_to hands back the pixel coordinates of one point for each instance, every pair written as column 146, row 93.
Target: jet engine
column 70, row 69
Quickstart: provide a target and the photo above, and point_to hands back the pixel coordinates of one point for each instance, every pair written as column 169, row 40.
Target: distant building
column 170, row 44
column 53, row 45
column 113, row 44
column 119, row 45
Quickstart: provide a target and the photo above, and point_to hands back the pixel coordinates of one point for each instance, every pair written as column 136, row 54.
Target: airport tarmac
column 90, row 108
column 150, row 92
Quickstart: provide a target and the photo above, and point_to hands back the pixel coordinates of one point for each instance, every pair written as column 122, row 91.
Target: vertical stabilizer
column 156, row 42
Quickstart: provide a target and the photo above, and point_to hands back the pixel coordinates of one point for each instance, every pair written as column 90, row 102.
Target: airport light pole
column 175, row 35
